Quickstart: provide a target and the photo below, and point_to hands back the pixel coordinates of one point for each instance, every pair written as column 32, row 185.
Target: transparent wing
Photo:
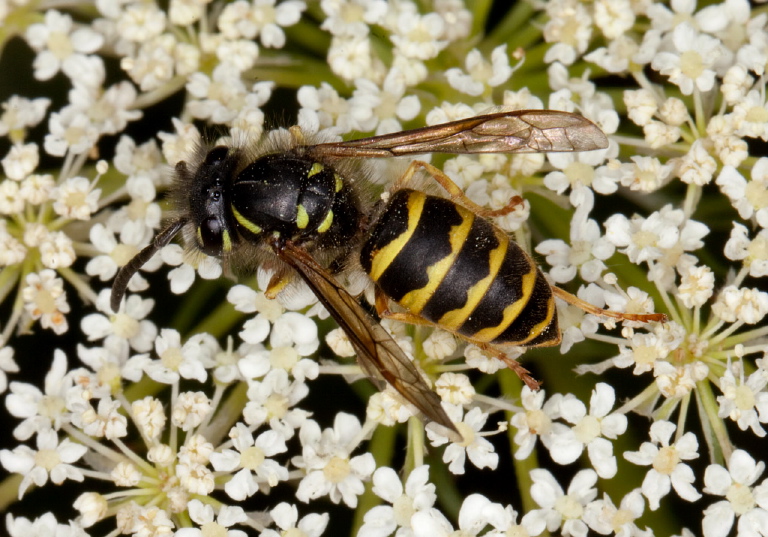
column 518, row 131
column 378, row 354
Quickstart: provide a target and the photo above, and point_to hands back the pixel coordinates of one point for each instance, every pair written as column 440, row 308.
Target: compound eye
column 210, row 236
column 216, row 155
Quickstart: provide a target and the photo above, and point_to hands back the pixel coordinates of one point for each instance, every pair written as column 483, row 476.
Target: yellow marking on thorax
column 247, row 224
column 302, row 218
column 315, row 169
column 325, row 225
column 383, row 257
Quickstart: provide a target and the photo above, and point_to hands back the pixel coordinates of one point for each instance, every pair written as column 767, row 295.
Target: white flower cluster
column 193, row 437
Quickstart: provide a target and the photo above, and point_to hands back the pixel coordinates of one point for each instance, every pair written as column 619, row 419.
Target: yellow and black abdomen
column 444, row 263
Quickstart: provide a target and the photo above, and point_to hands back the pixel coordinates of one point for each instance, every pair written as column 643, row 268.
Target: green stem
column 9, row 491
column 382, row 447
column 511, row 385
column 720, row 445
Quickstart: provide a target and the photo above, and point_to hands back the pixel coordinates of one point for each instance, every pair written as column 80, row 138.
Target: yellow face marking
column 512, row 312
column 325, row 225
column 227, row 241
column 302, row 218
column 199, row 236
column 454, row 319
column 247, row 224
column 315, row 169
column 339, row 182
column 383, row 257
column 415, row 300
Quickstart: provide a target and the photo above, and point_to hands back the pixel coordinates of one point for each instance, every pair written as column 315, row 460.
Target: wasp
column 299, row 210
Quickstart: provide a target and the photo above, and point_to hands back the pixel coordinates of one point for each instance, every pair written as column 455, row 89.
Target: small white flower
column 70, row 130
column 479, row 450
column 750, row 115
column 614, row 18
column 351, row 58
column 150, row 416
column 57, row 250
column 58, row 45
column 738, row 304
column 535, row 421
column 190, row 410
column 174, row 360
column 417, row 495
column 20, row 113
column 667, row 464
column 642, row 105
column 645, row 174
column 560, row 511
column 592, row 430
column 579, row 173
column 263, row 18
column 352, row 18
column 481, row 75
column 46, row 301
column 753, row 253
column 41, row 410
column 587, row 252
column 691, row 64
column 150, row 521
column 741, row 499
column 11, row 200
column 326, row 460
column 696, row 286
column 476, row 513
column 271, row 400
column 749, row 198
column 697, row 166
column 382, row 108
column 606, row 518
column 106, row 422
column 195, row 478
column 744, row 402
column 251, row 461
column 7, row 365
column 52, row 460
column 569, row 29
column 455, row 388
column 40, row 527
column 418, row 36
column 203, row 515
column 286, row 517
column 21, row 161
column 92, row 506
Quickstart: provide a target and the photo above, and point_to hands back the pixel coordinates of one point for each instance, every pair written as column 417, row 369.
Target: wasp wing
column 378, row 354
column 518, row 131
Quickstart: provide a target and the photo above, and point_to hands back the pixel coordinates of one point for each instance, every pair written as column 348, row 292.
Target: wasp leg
column 382, row 308
column 454, row 192
column 511, row 363
column 594, row 310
